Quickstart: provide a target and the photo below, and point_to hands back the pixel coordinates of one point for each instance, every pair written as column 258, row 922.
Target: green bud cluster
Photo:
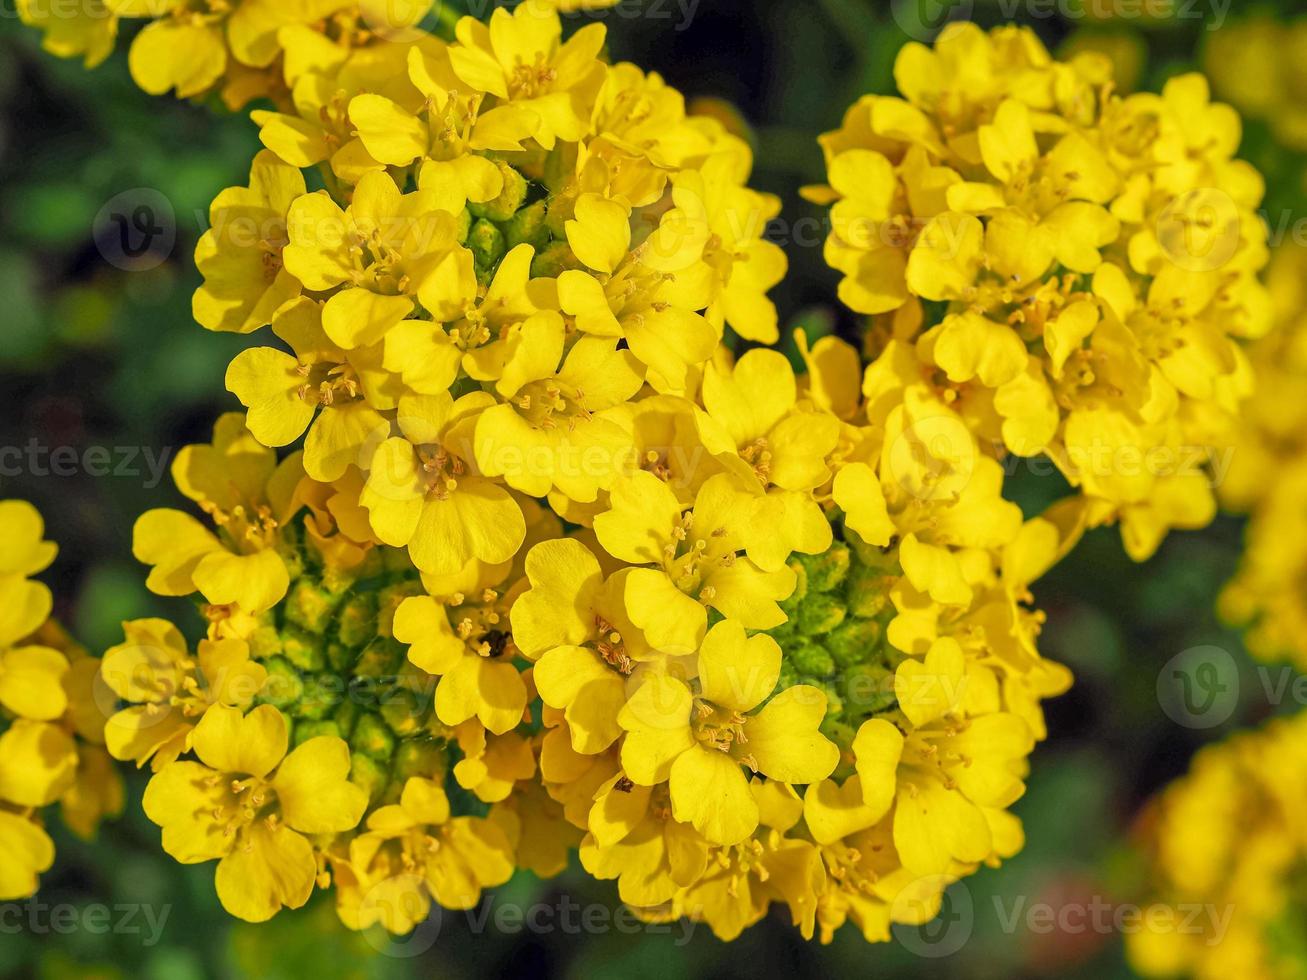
column 334, row 669
column 491, row 229
column 834, row 638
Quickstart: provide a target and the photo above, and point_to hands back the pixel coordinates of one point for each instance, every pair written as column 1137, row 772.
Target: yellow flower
column 1069, row 288
column 319, row 129
column 28, row 853
column 336, row 394
column 240, row 485
column 942, row 777
column 697, row 741
column 422, row 492
column 480, row 337
column 521, row 60
column 575, row 625
column 188, row 44
column 745, row 265
column 492, row 765
column 385, row 252
column 24, row 605
column 168, row 689
column 468, row 645
column 634, row 838
column 253, row 807
column 1252, row 63
column 445, row 134
column 697, row 552
column 552, row 430
column 38, row 762
column 240, row 256
column 753, row 423
column 743, row 879
column 31, row 681
column 87, row 30
column 1222, row 838
column 649, row 296
column 413, row 851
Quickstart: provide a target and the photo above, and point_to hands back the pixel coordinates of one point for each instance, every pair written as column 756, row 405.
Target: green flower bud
column 789, row 676
column 310, row 606
column 868, row 690
column 372, row 738
column 321, row 696
column 356, row 625
column 304, row 650
column 827, row 571
column 283, row 688
column 403, row 712
column 347, row 714
column 294, row 559
column 855, row 641
column 368, row 774
column 790, row 606
column 553, row 261
column 486, row 243
column 809, row 660
column 265, row 642
column 423, row 757
column 839, row 732
column 512, row 197
column 339, row 657
column 305, row 730
column 528, row 227
column 464, row 226
column 834, row 702
column 380, row 658
column 819, row 614
column 867, row 591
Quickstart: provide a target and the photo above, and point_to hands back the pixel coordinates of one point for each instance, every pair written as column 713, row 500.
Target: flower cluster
column 1072, row 271
column 242, row 50
column 526, row 542
column 784, row 655
column 1226, row 839
column 51, row 731
column 1268, row 477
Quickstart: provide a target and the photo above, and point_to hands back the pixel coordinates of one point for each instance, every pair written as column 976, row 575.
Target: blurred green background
column 94, row 355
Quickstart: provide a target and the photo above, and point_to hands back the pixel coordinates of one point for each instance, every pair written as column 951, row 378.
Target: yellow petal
column 314, row 791
column 709, row 790
column 858, row 493
column 38, row 763
column 737, row 671
column 250, row 745
column 267, row 869
column 31, row 682
column 784, row 740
